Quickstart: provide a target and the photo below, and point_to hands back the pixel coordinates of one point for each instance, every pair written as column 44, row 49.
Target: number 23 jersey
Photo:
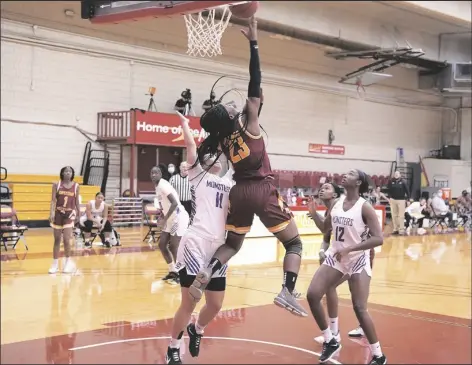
column 248, row 155
column 210, row 202
column 348, row 227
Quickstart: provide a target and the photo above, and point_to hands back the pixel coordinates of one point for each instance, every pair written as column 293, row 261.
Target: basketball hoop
column 204, row 33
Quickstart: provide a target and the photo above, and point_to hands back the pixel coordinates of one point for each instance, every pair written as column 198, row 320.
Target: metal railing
column 114, row 125
column 127, row 212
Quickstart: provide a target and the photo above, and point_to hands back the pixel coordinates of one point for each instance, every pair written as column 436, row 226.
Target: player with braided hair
column 237, row 135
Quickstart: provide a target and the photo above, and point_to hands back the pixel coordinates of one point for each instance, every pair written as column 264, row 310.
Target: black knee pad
column 294, row 246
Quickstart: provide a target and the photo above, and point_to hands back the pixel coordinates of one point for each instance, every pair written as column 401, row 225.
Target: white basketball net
column 204, row 33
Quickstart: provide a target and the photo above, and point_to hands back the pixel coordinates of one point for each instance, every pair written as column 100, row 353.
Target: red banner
column 326, row 149
column 163, row 129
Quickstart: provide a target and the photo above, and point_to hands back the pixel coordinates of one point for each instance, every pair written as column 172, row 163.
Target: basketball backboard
column 366, row 79
column 204, row 29
column 100, row 12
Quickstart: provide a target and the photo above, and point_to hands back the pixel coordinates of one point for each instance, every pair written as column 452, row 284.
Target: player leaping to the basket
column 237, row 134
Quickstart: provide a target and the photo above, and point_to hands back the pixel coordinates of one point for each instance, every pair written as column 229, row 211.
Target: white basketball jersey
column 210, row 201
column 348, row 227
column 163, row 189
column 97, row 212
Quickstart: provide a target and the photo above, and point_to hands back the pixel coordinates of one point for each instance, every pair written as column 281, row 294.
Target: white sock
column 199, row 329
column 174, row 343
column 334, row 326
column 55, row 262
column 327, row 334
column 172, row 267
column 376, row 350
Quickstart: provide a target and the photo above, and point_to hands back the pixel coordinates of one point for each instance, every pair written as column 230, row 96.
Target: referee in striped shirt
column 180, row 182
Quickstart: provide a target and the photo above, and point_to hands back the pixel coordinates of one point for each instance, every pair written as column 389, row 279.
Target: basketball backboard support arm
column 102, row 12
column 380, row 53
column 385, row 58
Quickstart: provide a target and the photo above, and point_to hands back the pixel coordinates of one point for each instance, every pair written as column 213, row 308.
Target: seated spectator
column 426, row 207
column 414, row 210
column 464, row 205
column 96, row 214
column 440, row 208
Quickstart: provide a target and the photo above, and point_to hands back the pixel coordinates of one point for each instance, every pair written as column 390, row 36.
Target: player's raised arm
column 188, row 139
column 254, row 89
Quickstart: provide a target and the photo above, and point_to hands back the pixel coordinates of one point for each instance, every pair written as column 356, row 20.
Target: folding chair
column 463, row 220
column 81, row 233
column 11, row 230
column 439, row 220
column 151, row 215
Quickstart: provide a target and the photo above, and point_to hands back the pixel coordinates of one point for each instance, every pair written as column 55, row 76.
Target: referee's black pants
column 188, row 206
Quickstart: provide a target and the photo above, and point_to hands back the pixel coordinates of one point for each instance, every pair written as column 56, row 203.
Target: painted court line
column 209, row 337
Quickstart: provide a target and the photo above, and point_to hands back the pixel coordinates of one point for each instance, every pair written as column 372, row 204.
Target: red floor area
column 258, row 335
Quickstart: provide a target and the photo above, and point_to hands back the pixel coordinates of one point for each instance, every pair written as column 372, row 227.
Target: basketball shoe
column 378, row 360
column 173, row 356
column 330, row 349
column 357, row 332
column 288, row 301
column 194, row 340
column 320, row 339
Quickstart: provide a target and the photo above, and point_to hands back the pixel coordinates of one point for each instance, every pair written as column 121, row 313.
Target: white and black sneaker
column 356, row 332
column 169, row 275
column 194, row 340
column 330, row 349
column 320, row 339
column 174, row 280
column 173, row 356
column 378, row 360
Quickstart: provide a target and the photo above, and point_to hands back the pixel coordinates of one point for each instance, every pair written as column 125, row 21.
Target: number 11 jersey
column 210, row 202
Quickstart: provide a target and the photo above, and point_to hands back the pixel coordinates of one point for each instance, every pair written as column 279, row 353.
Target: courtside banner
column 306, row 225
column 326, row 149
column 163, row 129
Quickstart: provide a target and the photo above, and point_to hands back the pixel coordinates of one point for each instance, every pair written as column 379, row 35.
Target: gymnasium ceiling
column 51, row 14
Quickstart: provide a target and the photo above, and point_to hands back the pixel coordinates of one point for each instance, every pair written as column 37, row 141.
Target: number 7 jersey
column 249, row 157
column 348, row 227
column 210, row 202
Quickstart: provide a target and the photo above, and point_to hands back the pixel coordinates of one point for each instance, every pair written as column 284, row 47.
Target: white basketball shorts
column 177, row 224
column 195, row 252
column 349, row 266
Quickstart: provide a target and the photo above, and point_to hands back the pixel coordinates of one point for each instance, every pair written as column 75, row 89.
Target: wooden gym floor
column 116, row 310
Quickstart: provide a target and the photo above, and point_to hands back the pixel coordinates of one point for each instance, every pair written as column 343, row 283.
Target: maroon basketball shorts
column 257, row 197
column 64, row 219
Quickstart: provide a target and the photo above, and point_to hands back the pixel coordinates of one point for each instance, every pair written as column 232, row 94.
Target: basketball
column 245, row 11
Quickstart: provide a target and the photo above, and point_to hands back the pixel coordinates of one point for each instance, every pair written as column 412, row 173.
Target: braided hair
column 217, row 122
column 221, row 130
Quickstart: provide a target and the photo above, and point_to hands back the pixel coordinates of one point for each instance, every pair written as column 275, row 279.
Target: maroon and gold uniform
column 255, row 191
column 66, row 207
